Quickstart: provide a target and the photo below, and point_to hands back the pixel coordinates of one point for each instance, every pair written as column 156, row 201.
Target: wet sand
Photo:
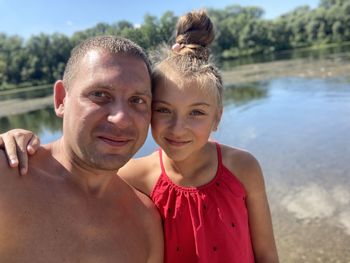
column 308, row 239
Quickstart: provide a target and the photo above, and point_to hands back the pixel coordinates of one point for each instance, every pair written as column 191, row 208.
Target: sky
column 32, row 17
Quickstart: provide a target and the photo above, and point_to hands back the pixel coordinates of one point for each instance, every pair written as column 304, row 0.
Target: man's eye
column 137, row 100
column 98, row 94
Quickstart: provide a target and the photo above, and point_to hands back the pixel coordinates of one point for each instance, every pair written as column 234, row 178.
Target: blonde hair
column 190, row 60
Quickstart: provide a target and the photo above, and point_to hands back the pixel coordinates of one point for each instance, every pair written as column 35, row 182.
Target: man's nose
column 120, row 115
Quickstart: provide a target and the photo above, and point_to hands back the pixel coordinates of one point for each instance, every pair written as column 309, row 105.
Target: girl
column 211, row 197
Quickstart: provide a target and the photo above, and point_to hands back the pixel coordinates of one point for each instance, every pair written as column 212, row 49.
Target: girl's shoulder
column 142, row 173
column 144, row 163
column 237, row 158
column 244, row 166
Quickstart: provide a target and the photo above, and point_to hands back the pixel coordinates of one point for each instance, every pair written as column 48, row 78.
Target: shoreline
column 20, row 106
column 330, row 67
column 333, row 66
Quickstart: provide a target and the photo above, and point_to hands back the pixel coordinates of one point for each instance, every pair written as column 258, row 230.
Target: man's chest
column 44, row 230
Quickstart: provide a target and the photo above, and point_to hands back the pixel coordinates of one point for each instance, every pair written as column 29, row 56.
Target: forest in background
column 240, row 31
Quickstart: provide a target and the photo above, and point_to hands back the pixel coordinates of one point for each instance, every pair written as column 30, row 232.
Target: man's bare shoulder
column 43, row 157
column 147, row 206
column 10, row 178
column 7, row 173
column 152, row 224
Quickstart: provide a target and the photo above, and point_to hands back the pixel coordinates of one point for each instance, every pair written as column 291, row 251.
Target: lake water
column 299, row 130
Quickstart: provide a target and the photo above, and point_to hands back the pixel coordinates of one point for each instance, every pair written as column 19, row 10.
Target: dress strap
column 218, row 150
column 161, row 160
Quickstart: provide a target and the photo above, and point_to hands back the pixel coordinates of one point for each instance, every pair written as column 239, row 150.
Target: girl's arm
column 260, row 221
column 17, row 144
column 248, row 171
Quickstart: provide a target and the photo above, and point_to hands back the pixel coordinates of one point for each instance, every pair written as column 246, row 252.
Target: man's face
column 107, row 110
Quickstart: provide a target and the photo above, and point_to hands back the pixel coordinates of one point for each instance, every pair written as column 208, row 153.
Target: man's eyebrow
column 139, row 92
column 105, row 86
column 143, row 93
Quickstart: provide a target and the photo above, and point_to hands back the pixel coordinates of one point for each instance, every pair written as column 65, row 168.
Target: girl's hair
column 189, row 56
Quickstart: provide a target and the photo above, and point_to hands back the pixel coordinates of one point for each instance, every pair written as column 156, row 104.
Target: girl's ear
column 218, row 119
column 59, row 97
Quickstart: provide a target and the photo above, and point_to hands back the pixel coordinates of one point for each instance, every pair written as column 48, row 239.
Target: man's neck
column 91, row 180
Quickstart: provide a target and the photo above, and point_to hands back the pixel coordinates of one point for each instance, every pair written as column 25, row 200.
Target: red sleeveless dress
column 204, row 224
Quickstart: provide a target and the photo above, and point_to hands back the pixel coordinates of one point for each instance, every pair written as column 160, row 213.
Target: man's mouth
column 115, row 141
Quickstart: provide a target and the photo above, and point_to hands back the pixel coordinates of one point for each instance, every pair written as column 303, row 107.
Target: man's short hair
column 110, row 44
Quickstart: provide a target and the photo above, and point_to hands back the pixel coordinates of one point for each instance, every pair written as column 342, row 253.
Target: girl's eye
column 137, row 100
column 197, row 113
column 162, row 110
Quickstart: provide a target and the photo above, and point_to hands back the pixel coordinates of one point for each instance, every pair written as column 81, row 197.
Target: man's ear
column 59, row 97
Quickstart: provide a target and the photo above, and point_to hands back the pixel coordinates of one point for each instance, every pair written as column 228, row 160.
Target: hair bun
column 195, row 31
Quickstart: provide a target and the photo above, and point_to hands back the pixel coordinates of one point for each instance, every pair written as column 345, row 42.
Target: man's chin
column 110, row 163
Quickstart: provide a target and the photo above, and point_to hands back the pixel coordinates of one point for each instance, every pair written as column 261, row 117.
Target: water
column 298, row 128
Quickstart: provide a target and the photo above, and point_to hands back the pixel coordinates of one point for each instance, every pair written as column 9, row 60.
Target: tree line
column 240, row 31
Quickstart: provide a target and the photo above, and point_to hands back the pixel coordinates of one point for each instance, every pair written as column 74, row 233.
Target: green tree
column 240, row 31
column 166, row 26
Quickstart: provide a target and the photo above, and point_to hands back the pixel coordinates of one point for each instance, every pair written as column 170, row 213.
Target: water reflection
column 42, row 122
column 242, row 94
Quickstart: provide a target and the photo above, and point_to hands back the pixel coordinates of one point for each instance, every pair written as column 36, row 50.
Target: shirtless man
column 73, row 207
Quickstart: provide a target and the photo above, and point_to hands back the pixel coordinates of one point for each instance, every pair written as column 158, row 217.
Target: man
column 73, row 207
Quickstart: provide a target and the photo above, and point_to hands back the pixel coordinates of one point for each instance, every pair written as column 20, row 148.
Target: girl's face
column 183, row 116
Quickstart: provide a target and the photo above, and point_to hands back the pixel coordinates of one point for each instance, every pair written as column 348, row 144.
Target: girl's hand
column 18, row 143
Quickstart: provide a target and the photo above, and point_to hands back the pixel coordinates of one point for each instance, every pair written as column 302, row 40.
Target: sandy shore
column 302, row 68
column 308, row 241
column 19, row 106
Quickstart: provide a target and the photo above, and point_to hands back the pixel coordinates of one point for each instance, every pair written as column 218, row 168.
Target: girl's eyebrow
column 160, row 101
column 201, row 104
column 192, row 105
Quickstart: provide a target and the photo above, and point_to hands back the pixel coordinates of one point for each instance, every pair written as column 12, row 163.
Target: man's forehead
column 96, row 59
column 101, row 68
column 92, row 56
